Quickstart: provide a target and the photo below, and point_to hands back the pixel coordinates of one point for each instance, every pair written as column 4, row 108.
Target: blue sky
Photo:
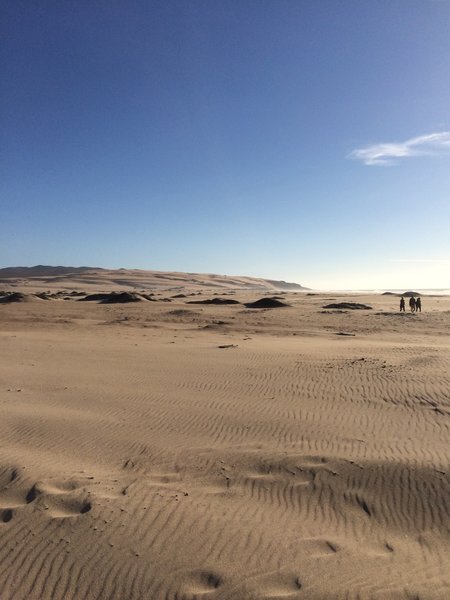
column 306, row 141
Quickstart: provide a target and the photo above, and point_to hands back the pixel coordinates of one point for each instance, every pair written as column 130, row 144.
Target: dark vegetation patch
column 112, row 298
column 94, row 297
column 121, row 297
column 13, row 297
column 349, row 306
column 266, row 303
column 182, row 312
column 214, row 301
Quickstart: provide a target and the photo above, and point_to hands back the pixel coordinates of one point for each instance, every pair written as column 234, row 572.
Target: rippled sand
column 166, row 451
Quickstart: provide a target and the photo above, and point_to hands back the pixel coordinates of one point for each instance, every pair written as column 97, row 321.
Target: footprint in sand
column 6, row 515
column 61, row 500
column 68, row 508
column 318, row 547
column 278, row 585
column 200, row 583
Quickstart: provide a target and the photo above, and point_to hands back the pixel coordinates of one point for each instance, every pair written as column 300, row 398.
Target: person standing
column 412, row 304
column 418, row 304
column 402, row 304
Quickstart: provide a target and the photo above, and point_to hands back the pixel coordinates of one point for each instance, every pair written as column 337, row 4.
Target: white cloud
column 389, row 153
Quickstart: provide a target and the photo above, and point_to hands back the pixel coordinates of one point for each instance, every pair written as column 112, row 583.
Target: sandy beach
column 170, row 450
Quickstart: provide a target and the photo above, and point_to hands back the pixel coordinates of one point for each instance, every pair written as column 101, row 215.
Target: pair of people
column 415, row 304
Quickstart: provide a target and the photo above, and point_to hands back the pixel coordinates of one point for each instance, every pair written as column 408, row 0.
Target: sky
column 300, row 140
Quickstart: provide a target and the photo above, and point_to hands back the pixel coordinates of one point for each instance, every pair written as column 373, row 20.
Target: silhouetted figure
column 418, row 304
column 402, row 304
column 412, row 304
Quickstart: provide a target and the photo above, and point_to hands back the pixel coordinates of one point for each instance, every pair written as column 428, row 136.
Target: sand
column 172, row 451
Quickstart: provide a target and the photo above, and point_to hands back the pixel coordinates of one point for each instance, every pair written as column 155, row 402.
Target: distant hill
column 41, row 271
column 406, row 294
column 285, row 285
column 95, row 279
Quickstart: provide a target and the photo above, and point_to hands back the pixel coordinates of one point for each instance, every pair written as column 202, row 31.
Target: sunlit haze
column 305, row 141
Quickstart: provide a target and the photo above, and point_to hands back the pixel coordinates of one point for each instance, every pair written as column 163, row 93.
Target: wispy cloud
column 389, row 153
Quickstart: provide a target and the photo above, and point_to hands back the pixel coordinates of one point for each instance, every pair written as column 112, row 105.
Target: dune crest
column 132, row 279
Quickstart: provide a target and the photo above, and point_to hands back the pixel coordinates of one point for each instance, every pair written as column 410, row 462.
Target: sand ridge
column 165, row 450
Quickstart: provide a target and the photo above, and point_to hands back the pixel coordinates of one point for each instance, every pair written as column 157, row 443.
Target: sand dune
column 184, row 452
column 130, row 280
